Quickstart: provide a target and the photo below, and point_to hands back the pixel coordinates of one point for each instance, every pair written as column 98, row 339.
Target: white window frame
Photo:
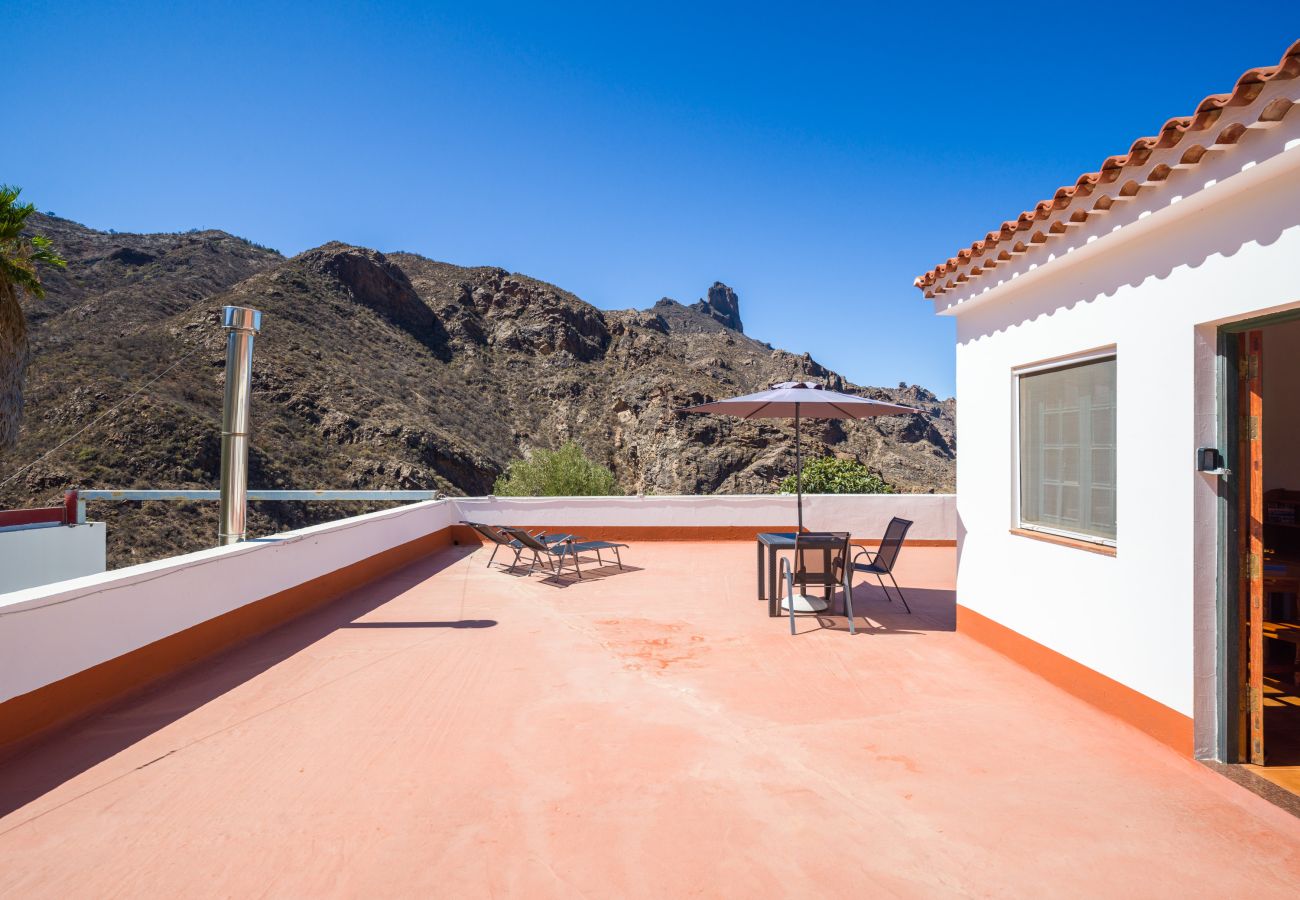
column 1060, row 362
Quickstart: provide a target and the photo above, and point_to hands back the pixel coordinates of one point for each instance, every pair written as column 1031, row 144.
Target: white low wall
column 43, row 554
column 863, row 515
column 48, row 633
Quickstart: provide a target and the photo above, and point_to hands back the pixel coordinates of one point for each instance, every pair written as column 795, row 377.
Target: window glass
column 1067, row 449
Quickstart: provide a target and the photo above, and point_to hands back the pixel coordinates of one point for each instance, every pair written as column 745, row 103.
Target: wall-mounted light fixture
column 1210, row 461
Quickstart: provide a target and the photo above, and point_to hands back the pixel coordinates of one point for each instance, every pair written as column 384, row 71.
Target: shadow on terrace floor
column 875, row 613
column 63, row 754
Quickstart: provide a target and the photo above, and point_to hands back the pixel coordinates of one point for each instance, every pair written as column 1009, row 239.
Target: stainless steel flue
column 241, row 325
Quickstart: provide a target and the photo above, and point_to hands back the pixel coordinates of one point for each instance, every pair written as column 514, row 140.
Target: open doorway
column 1267, row 500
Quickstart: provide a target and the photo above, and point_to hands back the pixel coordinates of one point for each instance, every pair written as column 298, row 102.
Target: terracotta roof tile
column 1121, row 170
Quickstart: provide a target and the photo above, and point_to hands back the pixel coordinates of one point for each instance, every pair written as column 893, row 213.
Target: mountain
column 394, row 371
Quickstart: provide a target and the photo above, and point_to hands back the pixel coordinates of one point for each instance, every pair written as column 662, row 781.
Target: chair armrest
column 871, row 557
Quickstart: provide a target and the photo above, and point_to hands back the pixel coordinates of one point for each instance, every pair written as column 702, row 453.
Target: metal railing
column 79, row 498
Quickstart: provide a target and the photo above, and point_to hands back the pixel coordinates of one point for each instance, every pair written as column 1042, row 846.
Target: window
column 1067, row 449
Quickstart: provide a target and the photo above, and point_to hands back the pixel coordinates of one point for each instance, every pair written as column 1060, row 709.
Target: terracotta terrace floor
column 454, row 731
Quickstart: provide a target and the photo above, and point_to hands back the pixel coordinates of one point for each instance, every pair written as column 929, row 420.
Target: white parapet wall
column 34, row 555
column 51, row 632
column 865, row 516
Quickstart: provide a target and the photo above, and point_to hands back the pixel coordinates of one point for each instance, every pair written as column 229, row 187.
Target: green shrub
column 828, row 475
column 557, row 473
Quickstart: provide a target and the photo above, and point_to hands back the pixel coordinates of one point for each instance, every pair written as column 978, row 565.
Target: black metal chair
column 821, row 559
column 881, row 563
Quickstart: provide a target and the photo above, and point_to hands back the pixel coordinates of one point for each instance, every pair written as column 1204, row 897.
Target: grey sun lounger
column 556, row 553
column 495, row 535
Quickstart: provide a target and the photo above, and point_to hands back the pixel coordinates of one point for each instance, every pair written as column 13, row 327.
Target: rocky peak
column 722, row 305
column 374, row 281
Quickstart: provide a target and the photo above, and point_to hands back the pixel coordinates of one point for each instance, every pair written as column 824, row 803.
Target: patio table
column 772, row 542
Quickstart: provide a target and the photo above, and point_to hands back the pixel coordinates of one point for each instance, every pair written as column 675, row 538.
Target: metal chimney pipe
column 241, row 325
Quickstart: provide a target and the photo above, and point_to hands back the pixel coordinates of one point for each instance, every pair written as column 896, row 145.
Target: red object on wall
column 41, row 516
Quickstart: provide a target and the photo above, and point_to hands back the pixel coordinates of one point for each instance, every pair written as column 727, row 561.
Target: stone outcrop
column 722, row 305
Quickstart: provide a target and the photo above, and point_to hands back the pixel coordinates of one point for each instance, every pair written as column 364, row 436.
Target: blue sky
column 814, row 159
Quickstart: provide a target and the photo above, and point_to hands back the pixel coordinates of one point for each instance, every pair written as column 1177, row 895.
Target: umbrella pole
column 798, row 464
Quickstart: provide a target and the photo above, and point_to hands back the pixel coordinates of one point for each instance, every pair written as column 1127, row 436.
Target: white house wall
column 1228, row 253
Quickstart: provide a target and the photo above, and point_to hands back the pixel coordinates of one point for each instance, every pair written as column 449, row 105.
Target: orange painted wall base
column 1164, row 724
column 31, row 715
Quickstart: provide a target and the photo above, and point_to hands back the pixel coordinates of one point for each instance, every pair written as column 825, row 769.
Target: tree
column 557, row 473
column 828, row 475
column 20, row 257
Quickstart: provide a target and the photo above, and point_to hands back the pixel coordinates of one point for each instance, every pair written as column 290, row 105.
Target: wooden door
column 1250, row 455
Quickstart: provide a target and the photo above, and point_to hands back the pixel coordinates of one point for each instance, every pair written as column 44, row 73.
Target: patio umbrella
column 798, row 400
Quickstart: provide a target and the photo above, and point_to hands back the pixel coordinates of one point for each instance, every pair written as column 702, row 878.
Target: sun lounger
column 556, row 553
column 495, row 536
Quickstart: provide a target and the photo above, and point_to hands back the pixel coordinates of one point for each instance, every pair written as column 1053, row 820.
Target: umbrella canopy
column 801, row 398
column 797, row 400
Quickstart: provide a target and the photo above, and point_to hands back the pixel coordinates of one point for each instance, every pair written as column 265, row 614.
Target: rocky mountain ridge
column 379, row 370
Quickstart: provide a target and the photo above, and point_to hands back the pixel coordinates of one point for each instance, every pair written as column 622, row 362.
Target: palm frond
column 20, row 256
column 43, row 252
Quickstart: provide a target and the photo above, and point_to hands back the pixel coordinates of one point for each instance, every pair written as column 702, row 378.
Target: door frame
column 1235, row 738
